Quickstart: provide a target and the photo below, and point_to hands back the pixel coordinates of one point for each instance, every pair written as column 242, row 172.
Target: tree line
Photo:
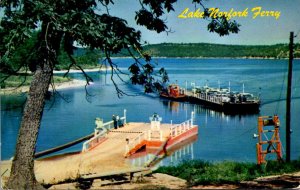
column 277, row 51
column 88, row 58
column 208, row 50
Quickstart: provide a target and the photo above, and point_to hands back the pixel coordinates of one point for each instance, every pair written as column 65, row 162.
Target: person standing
column 114, row 118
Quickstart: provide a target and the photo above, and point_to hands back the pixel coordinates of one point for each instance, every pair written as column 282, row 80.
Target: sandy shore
column 74, row 83
column 106, row 158
column 70, row 84
column 79, row 71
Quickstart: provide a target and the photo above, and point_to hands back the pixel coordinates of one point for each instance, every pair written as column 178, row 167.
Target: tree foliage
column 207, row 50
column 220, row 50
column 76, row 20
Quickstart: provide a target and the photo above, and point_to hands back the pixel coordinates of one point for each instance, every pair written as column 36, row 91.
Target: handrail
column 174, row 131
column 106, row 127
column 181, row 128
column 209, row 98
column 137, row 140
column 93, row 141
column 110, row 124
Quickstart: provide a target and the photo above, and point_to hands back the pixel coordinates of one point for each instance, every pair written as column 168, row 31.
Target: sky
column 258, row 31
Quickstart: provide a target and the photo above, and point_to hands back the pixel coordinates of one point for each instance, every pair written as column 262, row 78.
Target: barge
column 223, row 99
column 219, row 99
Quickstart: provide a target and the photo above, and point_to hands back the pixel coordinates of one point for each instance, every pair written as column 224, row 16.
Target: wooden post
column 192, row 119
column 288, row 100
column 127, row 147
column 185, row 87
column 125, row 120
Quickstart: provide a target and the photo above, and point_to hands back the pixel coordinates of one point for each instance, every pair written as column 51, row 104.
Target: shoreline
column 79, row 71
column 200, row 57
column 74, row 83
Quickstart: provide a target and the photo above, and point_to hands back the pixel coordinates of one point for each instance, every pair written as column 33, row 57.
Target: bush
column 198, row 172
column 25, row 80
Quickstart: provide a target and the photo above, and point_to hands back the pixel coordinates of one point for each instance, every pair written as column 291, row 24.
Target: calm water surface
column 221, row 137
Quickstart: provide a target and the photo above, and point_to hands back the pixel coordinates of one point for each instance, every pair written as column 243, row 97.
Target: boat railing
column 175, row 130
column 110, row 124
column 206, row 97
column 178, row 129
column 95, row 140
column 151, row 135
column 132, row 143
column 100, row 133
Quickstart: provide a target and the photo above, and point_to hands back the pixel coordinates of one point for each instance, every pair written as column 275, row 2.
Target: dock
column 108, row 152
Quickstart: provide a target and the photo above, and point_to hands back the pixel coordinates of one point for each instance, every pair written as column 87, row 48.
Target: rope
column 238, row 136
column 268, row 156
column 266, row 136
column 113, row 131
column 296, row 35
column 280, row 94
column 282, row 148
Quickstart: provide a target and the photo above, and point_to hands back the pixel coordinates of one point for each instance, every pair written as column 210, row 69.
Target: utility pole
column 288, row 99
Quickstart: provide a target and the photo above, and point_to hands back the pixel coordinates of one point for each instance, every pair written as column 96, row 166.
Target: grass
column 198, row 172
column 25, row 80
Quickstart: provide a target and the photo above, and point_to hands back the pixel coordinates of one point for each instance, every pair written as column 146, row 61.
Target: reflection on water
column 175, row 107
column 178, row 153
column 13, row 102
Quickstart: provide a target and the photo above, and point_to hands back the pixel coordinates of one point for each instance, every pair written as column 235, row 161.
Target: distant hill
column 218, row 50
column 207, row 50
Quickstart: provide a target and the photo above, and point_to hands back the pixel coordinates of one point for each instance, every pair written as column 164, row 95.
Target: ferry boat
column 174, row 92
column 223, row 99
column 220, row 99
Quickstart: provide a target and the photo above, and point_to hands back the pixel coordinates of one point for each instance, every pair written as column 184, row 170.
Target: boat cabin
column 174, row 90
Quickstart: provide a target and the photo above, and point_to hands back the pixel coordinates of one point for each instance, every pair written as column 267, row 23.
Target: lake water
column 221, row 137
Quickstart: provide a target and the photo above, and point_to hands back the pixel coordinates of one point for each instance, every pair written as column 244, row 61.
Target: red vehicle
column 174, row 92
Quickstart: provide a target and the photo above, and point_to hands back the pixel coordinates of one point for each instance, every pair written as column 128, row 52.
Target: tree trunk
column 22, row 172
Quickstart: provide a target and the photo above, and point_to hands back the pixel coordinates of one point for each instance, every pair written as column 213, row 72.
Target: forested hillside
column 87, row 58
column 218, row 50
